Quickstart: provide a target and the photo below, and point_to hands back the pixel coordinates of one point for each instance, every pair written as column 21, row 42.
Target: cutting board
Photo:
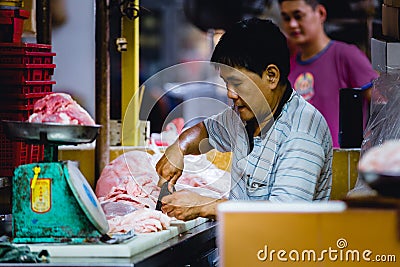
column 137, row 244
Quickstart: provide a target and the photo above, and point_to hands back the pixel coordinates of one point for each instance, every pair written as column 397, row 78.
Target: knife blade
column 163, row 192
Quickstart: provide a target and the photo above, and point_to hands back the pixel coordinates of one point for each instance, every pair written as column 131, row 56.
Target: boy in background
column 320, row 67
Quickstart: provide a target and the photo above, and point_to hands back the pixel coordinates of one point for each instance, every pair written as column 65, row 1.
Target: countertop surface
column 126, row 249
column 176, row 250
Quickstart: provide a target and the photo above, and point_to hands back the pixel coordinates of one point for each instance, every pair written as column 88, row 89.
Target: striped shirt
column 292, row 161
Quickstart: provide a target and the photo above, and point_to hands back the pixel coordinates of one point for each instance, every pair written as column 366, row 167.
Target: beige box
column 391, row 21
column 394, row 3
column 306, row 234
column 385, row 56
column 30, row 24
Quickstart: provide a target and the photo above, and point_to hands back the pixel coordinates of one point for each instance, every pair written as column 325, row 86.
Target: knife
column 163, row 192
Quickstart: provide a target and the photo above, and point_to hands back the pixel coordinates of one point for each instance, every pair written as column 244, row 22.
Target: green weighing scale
column 52, row 201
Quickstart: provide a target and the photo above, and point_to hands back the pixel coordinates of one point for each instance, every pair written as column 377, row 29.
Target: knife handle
column 158, row 205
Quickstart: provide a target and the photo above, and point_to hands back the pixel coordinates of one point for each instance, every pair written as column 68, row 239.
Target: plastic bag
column 384, row 120
column 21, row 254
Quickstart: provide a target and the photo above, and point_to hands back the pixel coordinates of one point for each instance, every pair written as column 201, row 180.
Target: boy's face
column 301, row 23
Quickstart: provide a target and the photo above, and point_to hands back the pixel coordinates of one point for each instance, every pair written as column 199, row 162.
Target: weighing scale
column 52, row 201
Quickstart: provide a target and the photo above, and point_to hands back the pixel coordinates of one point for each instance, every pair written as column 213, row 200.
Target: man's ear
column 272, row 75
column 322, row 12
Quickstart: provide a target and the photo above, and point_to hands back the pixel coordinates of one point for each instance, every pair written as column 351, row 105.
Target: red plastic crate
column 13, row 152
column 27, row 87
column 15, row 12
column 11, row 73
column 12, row 24
column 10, row 107
column 21, row 99
column 17, row 112
column 21, row 47
column 26, row 57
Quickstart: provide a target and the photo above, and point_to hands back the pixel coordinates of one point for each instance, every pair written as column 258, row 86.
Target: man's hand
column 170, row 166
column 193, row 141
column 187, row 205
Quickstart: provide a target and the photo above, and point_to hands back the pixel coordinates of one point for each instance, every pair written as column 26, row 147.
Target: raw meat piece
column 113, row 209
column 138, row 199
column 60, row 108
column 136, row 169
column 131, row 179
column 141, row 221
column 133, row 170
column 384, row 159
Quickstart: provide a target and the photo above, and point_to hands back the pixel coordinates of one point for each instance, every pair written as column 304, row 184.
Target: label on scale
column 41, row 195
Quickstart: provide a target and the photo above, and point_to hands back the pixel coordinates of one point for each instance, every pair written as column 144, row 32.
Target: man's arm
column 192, row 141
column 367, row 94
column 187, row 205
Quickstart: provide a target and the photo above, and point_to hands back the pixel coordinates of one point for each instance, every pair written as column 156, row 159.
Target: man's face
column 301, row 23
column 248, row 91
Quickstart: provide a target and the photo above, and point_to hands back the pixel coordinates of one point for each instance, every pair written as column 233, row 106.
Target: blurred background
column 172, row 32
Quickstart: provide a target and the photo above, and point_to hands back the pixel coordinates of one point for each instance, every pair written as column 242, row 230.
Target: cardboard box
column 385, row 56
column 394, row 3
column 391, row 21
column 30, row 23
column 279, row 234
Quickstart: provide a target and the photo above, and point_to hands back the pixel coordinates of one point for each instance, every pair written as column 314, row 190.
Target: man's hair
column 254, row 44
column 312, row 3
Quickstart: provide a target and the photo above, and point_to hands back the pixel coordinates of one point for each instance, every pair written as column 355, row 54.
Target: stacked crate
column 11, row 23
column 25, row 76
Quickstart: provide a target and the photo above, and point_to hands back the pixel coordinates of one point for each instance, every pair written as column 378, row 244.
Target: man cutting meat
column 281, row 145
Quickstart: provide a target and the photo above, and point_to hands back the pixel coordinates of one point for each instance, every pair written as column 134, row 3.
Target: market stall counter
column 191, row 247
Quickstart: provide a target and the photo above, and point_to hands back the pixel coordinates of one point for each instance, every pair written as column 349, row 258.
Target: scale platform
column 52, row 201
column 51, row 135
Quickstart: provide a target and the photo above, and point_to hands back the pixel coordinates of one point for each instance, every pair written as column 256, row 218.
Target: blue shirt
column 291, row 161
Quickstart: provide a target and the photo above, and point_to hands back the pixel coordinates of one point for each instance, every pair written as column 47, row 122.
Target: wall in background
column 74, row 43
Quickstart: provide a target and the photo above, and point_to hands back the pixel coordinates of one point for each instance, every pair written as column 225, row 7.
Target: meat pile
column 129, row 178
column 383, row 159
column 141, row 221
column 60, row 108
column 127, row 189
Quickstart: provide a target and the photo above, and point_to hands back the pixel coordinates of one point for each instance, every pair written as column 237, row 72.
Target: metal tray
column 50, row 133
column 386, row 184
